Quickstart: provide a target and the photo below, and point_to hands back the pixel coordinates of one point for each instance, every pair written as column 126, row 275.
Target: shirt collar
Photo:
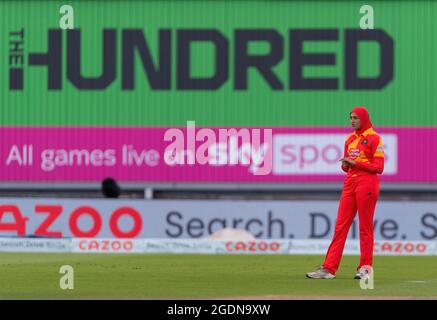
column 365, row 133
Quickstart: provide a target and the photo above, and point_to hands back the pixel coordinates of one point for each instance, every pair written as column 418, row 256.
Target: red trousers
column 359, row 193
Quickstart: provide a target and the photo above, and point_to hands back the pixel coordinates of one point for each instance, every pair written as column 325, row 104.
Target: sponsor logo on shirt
column 354, row 153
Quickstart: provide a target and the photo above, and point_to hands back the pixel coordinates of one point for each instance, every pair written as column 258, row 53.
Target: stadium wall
column 199, row 219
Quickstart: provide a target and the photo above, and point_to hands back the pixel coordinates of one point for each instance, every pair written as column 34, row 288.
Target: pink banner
column 190, row 154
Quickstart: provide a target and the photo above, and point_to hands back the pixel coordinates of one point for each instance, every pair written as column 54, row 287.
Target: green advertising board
column 219, row 63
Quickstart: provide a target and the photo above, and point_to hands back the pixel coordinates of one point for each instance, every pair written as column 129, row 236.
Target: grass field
column 164, row 276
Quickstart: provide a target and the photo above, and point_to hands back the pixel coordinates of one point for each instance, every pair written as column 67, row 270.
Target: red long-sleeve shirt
column 367, row 151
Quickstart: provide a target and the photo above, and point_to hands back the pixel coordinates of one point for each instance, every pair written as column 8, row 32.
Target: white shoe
column 320, row 273
column 363, row 273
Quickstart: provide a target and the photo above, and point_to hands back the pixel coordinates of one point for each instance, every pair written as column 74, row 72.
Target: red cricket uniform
column 360, row 192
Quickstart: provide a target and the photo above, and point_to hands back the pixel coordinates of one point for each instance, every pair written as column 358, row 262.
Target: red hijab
column 363, row 114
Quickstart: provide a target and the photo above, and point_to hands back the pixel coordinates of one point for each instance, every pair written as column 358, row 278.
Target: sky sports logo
column 167, row 63
column 318, row 154
column 277, row 154
column 263, row 152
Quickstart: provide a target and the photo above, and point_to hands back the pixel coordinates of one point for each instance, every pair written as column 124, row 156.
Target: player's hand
column 347, row 162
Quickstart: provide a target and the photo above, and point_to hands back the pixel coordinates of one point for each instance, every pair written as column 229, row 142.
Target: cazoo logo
column 253, row 246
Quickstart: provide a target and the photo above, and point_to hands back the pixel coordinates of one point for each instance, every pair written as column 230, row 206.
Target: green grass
column 164, row 276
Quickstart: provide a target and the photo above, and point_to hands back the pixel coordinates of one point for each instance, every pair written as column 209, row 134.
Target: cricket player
column 363, row 160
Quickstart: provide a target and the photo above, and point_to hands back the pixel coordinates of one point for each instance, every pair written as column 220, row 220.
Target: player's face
column 355, row 121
